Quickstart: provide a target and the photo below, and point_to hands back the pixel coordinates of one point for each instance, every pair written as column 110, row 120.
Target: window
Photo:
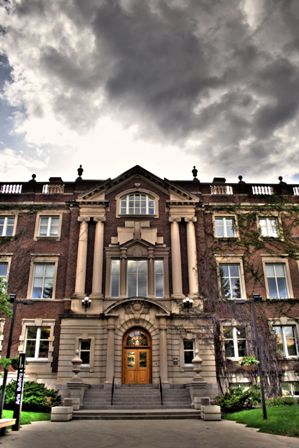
column 276, row 280
column 7, row 224
column 159, row 278
column 287, row 340
column 234, row 341
column 137, row 204
column 49, row 226
column 188, row 352
column 230, row 280
column 115, row 278
column 4, row 272
column 269, row 227
column 290, row 389
column 137, row 278
column 225, row 227
column 37, row 343
column 84, row 350
column 43, row 280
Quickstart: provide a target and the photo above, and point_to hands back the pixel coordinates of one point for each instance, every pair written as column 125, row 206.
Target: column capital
column 191, row 219
column 99, row 218
column 174, row 219
column 83, row 218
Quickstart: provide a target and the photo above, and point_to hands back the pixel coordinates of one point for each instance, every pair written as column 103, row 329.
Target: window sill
column 39, row 361
column 47, row 238
column 227, row 238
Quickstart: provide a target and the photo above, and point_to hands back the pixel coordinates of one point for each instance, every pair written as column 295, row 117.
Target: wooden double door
column 137, row 366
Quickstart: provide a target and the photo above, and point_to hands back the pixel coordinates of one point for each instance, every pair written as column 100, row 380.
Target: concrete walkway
column 143, row 434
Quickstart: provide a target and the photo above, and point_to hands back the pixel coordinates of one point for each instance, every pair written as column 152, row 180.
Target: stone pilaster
column 163, row 352
column 151, row 273
column 97, row 275
column 110, row 351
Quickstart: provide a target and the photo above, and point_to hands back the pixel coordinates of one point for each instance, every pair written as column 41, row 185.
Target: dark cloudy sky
column 166, row 84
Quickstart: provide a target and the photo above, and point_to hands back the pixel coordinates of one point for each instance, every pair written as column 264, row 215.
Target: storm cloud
column 219, row 80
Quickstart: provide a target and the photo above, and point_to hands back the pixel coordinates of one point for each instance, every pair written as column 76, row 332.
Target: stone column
column 163, row 352
column 98, row 259
column 110, row 351
column 123, row 273
column 81, row 257
column 192, row 257
column 177, row 288
column 151, row 273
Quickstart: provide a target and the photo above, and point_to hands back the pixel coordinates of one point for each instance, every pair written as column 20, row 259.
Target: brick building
column 138, row 273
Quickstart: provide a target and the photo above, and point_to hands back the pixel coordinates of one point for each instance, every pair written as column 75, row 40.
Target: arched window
column 137, row 204
column 137, row 338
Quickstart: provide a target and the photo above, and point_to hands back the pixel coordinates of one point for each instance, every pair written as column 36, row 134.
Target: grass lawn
column 28, row 417
column 283, row 420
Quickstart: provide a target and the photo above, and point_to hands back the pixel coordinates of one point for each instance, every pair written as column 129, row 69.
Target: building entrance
column 137, row 363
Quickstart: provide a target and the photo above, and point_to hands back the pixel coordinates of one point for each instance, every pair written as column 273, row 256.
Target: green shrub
column 37, row 397
column 281, row 401
column 238, row 398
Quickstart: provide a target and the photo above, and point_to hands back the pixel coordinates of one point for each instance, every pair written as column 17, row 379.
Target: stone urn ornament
column 197, row 362
column 76, row 361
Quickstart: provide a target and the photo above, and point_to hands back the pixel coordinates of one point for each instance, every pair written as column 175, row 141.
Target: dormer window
column 137, row 204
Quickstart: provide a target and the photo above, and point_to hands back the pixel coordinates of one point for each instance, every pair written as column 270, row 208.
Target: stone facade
column 135, row 247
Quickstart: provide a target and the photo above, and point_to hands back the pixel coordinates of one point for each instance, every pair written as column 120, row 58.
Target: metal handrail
column 161, row 391
column 112, row 391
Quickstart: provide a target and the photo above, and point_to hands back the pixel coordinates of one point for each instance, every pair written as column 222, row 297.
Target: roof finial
column 33, row 178
column 241, row 181
column 80, row 172
column 194, row 173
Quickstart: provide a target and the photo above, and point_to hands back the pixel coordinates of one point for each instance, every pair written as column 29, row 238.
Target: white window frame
column 292, row 388
column 4, row 231
column 137, row 277
column 224, row 219
column 48, row 214
column 284, row 339
column 156, row 274
column 235, row 339
column 283, row 261
column 268, row 227
column 188, row 350
column 85, row 350
column 136, row 198
column 117, row 275
column 38, row 322
column 232, row 260
column 42, row 260
column 149, row 195
column 6, row 260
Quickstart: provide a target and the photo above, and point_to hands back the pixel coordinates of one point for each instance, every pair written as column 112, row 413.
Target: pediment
column 138, row 175
column 136, row 306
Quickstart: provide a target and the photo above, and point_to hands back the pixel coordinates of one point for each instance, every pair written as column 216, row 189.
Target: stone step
column 140, row 414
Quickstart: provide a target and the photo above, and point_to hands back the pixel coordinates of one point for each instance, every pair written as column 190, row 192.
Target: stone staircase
column 136, row 402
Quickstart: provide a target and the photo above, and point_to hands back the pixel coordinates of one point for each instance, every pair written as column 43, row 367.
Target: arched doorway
column 137, row 357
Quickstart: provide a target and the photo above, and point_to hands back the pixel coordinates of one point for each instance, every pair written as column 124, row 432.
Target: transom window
column 269, row 227
column 37, row 342
column 234, row 342
column 49, row 226
column 137, row 278
column 137, row 204
column 7, row 224
column 276, row 280
column 137, row 338
column 225, row 227
column 43, row 280
column 230, row 280
column 287, row 340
